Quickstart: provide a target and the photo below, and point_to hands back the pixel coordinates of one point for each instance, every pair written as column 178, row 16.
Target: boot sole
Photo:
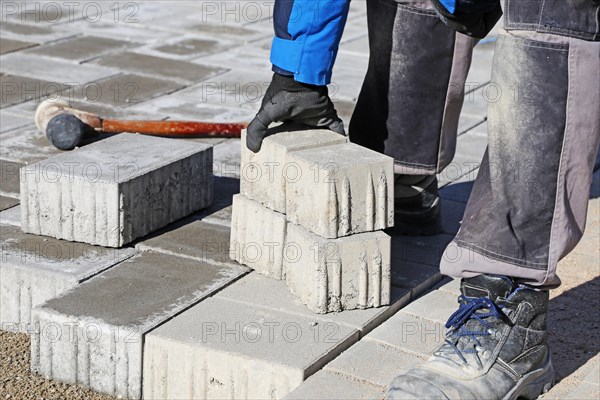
column 534, row 384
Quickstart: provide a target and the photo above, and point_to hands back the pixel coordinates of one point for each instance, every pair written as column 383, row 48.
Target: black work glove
column 287, row 100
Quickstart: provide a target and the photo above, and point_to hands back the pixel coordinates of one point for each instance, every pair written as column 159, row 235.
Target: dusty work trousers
column 528, row 206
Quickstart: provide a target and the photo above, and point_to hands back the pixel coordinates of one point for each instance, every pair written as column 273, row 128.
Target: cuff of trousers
column 308, row 65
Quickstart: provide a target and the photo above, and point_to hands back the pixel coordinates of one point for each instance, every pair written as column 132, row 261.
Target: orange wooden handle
column 175, row 128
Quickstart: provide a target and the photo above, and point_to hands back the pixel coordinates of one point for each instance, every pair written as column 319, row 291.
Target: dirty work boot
column 495, row 347
column 417, row 206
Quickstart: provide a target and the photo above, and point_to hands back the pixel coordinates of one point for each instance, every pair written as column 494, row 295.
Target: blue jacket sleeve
column 307, row 36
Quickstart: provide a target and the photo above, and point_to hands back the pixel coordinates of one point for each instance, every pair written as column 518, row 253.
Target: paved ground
column 209, row 60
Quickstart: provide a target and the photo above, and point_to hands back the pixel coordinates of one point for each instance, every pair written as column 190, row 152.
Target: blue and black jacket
column 308, row 33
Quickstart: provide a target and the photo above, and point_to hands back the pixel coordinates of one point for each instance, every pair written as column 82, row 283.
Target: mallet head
column 64, row 126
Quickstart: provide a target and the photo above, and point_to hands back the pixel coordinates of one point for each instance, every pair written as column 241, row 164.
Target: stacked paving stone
column 311, row 212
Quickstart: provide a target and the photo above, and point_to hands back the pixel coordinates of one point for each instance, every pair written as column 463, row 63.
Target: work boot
column 417, row 206
column 495, row 348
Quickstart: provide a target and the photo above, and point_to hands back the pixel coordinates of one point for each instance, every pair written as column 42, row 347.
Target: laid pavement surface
column 209, row 61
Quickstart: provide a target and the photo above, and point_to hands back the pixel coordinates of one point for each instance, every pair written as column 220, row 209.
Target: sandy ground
column 17, row 382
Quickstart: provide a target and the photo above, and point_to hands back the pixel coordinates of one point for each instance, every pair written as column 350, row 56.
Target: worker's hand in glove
column 289, row 101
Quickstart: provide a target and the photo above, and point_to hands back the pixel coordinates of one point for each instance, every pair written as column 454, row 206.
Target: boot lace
column 478, row 309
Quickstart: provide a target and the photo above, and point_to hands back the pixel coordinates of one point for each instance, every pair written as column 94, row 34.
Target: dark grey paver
column 81, row 48
column 9, row 178
column 414, row 276
column 10, row 45
column 122, row 304
column 196, row 239
column 7, row 202
column 163, row 67
column 10, row 121
column 426, row 250
column 19, row 89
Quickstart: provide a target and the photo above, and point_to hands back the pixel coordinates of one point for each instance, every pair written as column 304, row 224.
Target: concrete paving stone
column 226, row 158
column 467, row 122
column 122, row 91
column 264, row 175
column 348, row 70
column 35, row 269
column 331, row 275
column 591, row 371
column 476, row 102
column 245, row 34
column 222, row 349
column 460, row 189
column 414, row 335
column 470, row 148
column 327, row 385
column 449, row 285
column 584, row 390
column 10, row 45
column 26, row 145
column 11, row 216
column 53, row 70
column 234, row 88
column 340, row 190
column 258, row 290
column 190, row 47
column 249, row 57
column 81, row 48
column 19, row 89
column 130, row 32
column 413, row 276
column 358, row 46
column 436, row 305
column 7, row 202
column 258, row 237
column 191, row 239
column 426, row 250
column 220, row 217
column 374, row 362
column 161, row 67
column 9, row 178
column 452, row 215
column 9, row 121
column 30, row 33
column 100, row 324
column 116, row 190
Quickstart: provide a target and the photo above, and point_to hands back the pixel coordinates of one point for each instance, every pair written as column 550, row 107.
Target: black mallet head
column 66, row 131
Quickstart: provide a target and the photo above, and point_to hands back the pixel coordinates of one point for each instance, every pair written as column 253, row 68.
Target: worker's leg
column 529, row 202
column 413, row 91
column 410, row 103
column 527, row 210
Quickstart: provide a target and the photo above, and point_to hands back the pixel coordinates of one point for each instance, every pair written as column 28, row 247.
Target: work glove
column 287, row 100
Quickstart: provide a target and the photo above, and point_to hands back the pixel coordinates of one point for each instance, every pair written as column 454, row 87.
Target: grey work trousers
column 529, row 202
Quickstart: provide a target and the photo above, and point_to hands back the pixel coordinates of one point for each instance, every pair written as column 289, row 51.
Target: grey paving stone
column 477, row 100
column 7, row 202
column 258, row 237
column 481, row 66
column 9, row 178
column 116, row 190
column 226, row 161
column 10, row 121
column 11, row 216
column 26, row 145
column 467, row 122
column 264, row 175
column 460, row 189
column 258, row 290
column 196, row 239
column 10, row 45
column 323, row 195
column 419, row 336
column 331, row 275
column 436, row 305
column 220, row 217
column 415, row 277
column 236, row 350
column 190, row 47
column 236, row 32
column 469, row 153
column 27, row 32
column 450, row 285
column 120, row 305
column 327, row 385
column 426, row 250
column 35, row 269
column 19, row 89
column 584, row 390
column 374, row 362
column 162, row 67
column 53, row 70
column 122, row 91
column 82, row 48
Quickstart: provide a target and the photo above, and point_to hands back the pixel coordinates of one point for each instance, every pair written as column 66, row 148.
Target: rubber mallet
column 66, row 127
